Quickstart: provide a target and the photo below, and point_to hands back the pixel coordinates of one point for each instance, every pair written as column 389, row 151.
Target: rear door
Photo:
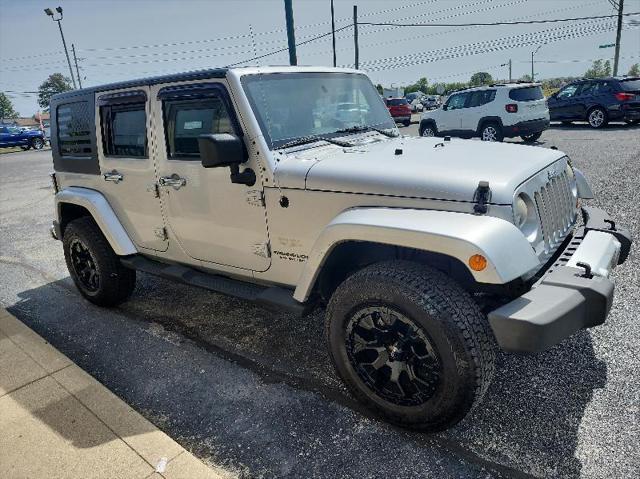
column 126, row 164
column 475, row 109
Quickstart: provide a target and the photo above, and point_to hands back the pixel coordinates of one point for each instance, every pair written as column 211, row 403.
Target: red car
column 400, row 110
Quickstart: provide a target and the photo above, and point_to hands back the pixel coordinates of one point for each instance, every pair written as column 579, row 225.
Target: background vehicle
column 293, row 208
column 597, row 101
column 490, row 112
column 11, row 136
column 431, row 102
column 400, row 110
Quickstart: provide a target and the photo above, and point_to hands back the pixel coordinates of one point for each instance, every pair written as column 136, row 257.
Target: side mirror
column 444, row 107
column 223, row 149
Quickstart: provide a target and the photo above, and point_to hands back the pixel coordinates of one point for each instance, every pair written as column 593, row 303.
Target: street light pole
column 50, row 13
column 532, row 55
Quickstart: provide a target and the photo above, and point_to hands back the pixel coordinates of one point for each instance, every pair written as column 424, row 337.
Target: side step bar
column 271, row 297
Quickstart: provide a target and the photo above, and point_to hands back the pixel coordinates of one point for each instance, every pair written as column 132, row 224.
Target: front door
column 126, row 165
column 213, row 219
column 452, row 116
column 562, row 104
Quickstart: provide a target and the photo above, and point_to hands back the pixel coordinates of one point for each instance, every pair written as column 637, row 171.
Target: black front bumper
column 526, row 128
column 564, row 301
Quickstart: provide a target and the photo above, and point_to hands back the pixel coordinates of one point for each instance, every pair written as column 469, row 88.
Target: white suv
column 490, row 112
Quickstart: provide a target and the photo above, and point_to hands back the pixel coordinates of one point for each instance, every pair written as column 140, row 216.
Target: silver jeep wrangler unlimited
column 258, row 183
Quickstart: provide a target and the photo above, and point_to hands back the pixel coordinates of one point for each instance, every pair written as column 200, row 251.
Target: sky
column 125, row 39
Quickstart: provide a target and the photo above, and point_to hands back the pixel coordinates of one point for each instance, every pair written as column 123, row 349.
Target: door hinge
column 255, row 197
column 161, row 233
column 154, row 189
column 261, row 249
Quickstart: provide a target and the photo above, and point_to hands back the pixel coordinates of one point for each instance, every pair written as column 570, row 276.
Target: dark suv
column 597, row 101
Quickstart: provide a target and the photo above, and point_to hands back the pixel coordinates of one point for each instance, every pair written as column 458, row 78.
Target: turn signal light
column 477, row 262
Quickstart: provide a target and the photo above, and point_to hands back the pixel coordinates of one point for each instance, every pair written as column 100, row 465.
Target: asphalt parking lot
column 253, row 391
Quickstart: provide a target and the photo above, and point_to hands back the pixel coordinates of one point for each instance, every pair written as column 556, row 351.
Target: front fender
column 459, row 235
column 100, row 209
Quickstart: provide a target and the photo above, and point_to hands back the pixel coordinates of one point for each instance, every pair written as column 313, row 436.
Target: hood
column 426, row 168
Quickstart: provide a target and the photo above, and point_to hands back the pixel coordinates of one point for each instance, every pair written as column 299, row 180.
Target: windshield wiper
column 303, row 140
column 360, row 128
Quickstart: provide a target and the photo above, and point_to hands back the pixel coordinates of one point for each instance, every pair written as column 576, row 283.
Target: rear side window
column 75, row 122
column 530, row 93
column 186, row 120
column 124, row 130
column 630, row 85
column 481, row 97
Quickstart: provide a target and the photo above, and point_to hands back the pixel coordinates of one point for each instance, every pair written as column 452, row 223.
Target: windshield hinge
column 255, row 197
column 481, row 197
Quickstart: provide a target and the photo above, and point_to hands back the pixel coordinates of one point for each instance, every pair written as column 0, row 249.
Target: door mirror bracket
column 223, row 149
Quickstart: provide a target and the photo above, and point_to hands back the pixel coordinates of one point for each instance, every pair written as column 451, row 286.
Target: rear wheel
column 597, row 117
column 532, row 138
column 410, row 344
column 406, row 122
column 491, row 132
column 94, row 267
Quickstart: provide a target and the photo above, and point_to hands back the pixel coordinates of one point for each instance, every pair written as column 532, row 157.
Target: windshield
column 298, row 105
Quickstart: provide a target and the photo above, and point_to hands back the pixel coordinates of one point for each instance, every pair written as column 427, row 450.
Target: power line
column 523, row 22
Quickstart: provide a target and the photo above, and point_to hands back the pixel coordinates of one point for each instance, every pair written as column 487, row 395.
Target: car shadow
column 585, row 126
column 528, row 421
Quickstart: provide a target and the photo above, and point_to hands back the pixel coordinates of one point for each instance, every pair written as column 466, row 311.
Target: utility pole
column 75, row 60
column 508, row 64
column 355, row 36
column 64, row 44
column 333, row 33
column 291, row 36
column 618, row 34
column 532, row 54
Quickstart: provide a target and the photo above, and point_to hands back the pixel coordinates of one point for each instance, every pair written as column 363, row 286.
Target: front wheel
column 531, row 138
column 37, row 143
column 597, row 117
column 491, row 132
column 410, row 344
column 94, row 267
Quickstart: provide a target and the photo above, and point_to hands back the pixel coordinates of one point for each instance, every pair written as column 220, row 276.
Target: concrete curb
column 58, row 421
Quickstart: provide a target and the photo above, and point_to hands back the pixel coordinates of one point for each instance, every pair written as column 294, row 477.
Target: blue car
column 597, row 101
column 10, row 136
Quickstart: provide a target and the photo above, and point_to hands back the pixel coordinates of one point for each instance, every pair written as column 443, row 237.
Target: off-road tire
column 116, row 283
column 597, row 117
column 451, row 319
column 37, row 143
column 531, row 138
column 498, row 135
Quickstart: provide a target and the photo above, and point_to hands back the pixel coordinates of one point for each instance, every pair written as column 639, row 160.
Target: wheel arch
column 436, row 237
column 77, row 202
column 488, row 119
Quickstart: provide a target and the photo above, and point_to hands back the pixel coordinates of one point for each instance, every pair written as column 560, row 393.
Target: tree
column 599, row 69
column 421, row 85
column 380, row 88
column 526, row 77
column 634, row 71
column 6, row 108
column 56, row 83
column 481, row 78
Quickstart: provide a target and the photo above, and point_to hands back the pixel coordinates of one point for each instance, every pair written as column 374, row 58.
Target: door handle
column 174, row 181
column 113, row 176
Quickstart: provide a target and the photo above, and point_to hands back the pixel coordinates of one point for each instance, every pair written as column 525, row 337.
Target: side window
column 75, row 122
column 568, row 91
column 124, row 130
column 185, row 120
column 588, row 88
column 603, row 87
column 481, row 97
column 456, row 101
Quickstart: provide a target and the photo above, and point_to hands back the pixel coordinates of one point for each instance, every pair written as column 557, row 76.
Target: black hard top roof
column 173, row 78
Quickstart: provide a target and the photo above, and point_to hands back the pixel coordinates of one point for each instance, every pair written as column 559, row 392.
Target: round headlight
column 520, row 211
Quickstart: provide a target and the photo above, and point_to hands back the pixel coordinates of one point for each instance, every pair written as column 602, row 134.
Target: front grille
column 557, row 209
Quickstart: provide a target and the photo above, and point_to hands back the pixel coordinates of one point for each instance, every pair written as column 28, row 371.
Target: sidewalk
column 58, row 421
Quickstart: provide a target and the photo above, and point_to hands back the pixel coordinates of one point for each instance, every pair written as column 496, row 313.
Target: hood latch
column 481, row 197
